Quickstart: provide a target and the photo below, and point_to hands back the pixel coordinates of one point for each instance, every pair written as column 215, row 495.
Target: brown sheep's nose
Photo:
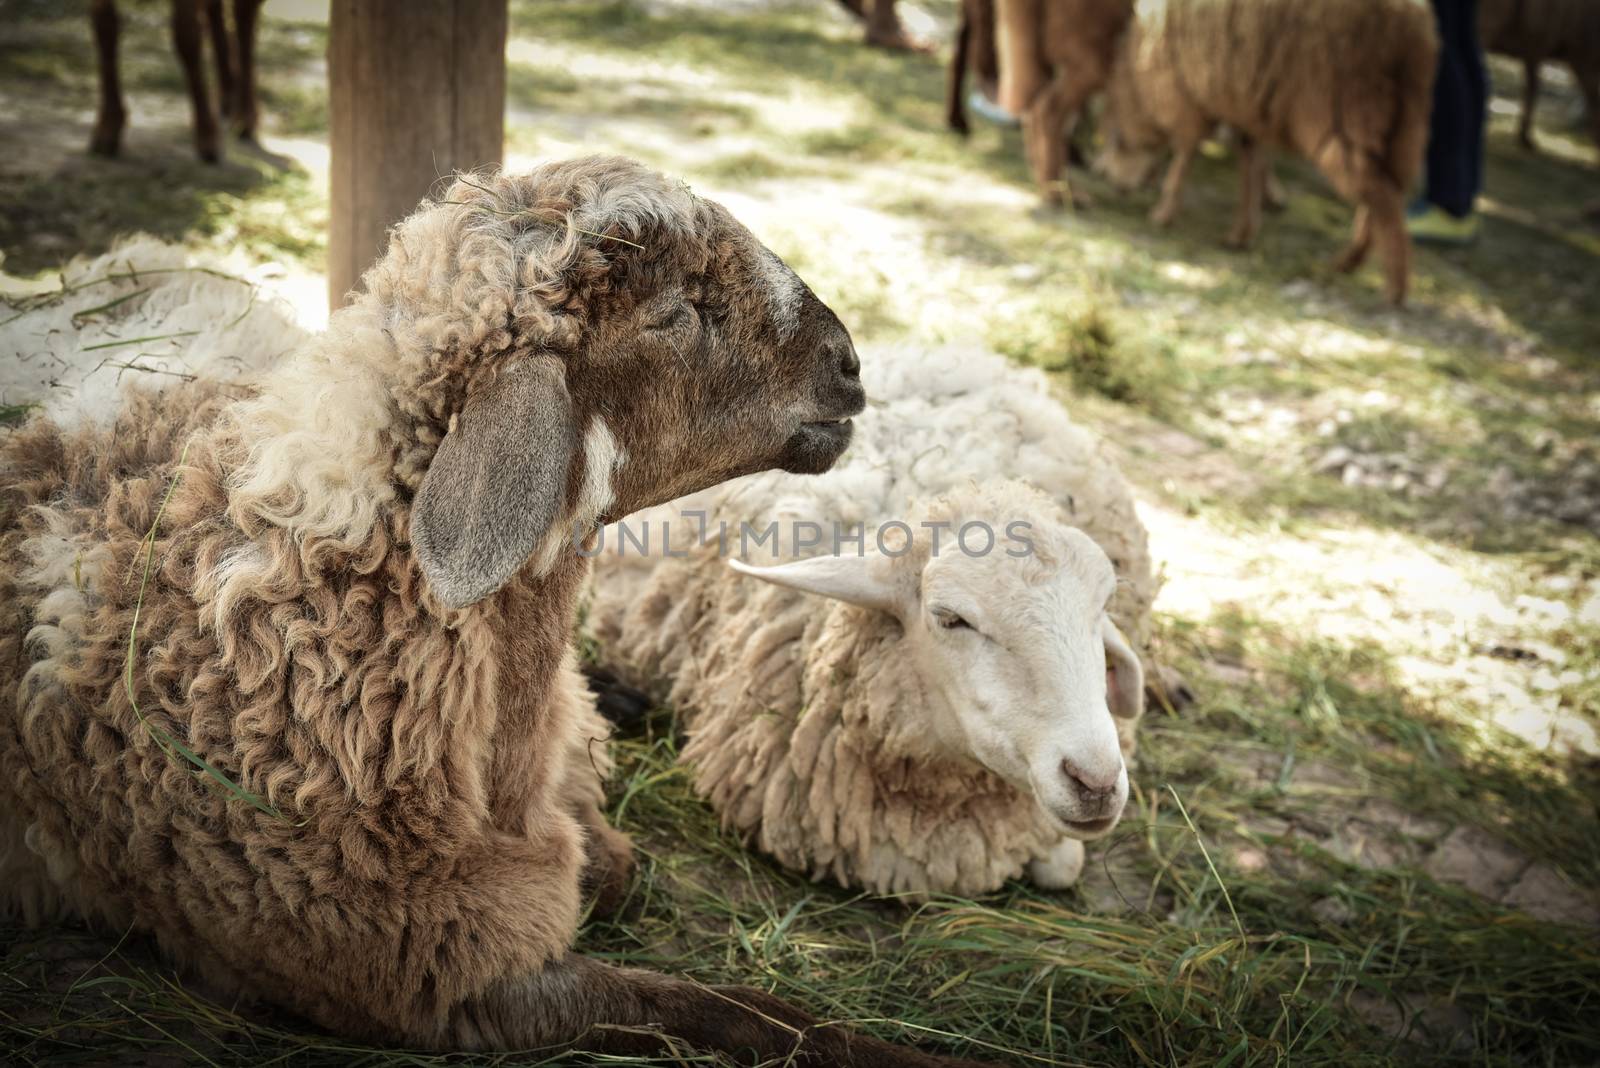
column 1092, row 789
column 848, row 362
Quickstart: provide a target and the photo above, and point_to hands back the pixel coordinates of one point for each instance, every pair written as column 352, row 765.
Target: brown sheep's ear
column 496, row 485
column 1124, row 674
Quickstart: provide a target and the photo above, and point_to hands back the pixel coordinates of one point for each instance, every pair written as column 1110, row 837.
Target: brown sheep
column 1050, row 57
column 1538, row 30
column 1345, row 83
column 352, row 593
column 1076, row 41
column 236, row 71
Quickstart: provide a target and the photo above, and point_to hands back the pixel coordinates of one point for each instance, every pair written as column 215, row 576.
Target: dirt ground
column 1379, row 532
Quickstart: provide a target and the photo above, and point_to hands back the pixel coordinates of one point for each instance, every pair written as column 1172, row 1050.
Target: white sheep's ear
column 857, row 580
column 496, row 485
column 1124, row 674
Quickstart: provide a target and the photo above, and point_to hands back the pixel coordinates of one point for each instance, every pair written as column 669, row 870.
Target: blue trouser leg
column 1460, row 102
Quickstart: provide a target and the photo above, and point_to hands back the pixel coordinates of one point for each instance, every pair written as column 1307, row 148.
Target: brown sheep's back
column 1297, row 74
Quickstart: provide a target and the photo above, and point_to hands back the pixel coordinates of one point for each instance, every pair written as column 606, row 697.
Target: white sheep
column 288, row 679
column 945, row 722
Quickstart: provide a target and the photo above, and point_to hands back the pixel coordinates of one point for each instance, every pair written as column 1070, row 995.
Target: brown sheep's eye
column 675, row 317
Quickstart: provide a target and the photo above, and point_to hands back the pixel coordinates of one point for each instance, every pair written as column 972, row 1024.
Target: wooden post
column 416, row 90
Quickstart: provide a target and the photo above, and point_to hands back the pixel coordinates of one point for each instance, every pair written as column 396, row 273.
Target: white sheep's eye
column 951, row 621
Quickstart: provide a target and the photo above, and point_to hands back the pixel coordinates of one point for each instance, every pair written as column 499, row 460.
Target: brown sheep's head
column 608, row 341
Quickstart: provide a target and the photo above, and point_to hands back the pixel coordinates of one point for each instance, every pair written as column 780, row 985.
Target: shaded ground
column 1378, row 529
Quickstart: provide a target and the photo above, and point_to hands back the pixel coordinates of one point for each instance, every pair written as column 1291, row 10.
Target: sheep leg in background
column 1355, row 253
column 1273, row 196
column 186, row 40
column 1060, row 868
column 624, row 1011
column 1588, row 81
column 1252, row 191
column 113, row 116
column 1047, row 125
column 1023, row 73
column 1380, row 218
column 1530, row 100
column 242, row 110
column 1166, row 208
column 1394, row 243
column 622, row 705
column 222, row 53
column 884, row 29
column 955, row 106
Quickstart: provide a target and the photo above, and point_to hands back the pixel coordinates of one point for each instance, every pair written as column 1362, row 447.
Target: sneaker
column 990, row 111
column 1432, row 225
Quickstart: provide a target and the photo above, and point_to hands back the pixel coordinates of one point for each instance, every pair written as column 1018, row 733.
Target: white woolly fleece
column 801, row 717
column 162, row 308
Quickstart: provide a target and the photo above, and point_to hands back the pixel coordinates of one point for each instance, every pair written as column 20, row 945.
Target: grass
column 1368, row 653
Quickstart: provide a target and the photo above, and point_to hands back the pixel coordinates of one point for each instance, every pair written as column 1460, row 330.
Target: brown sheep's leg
column 1355, row 253
column 108, row 124
column 1273, row 196
column 1530, row 99
column 1043, row 127
column 1252, row 190
column 186, row 39
column 222, row 53
column 624, row 1011
column 1589, row 81
column 884, row 29
column 1023, row 73
column 1048, row 123
column 1166, row 208
column 985, row 61
column 1387, row 212
column 243, row 111
column 955, row 105
column 608, row 861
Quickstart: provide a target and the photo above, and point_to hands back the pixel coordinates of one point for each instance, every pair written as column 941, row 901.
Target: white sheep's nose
column 1095, row 789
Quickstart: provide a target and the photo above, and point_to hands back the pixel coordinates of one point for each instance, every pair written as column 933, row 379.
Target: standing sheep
column 1538, row 30
column 946, row 720
column 235, row 55
column 1048, row 59
column 1346, row 83
column 348, row 599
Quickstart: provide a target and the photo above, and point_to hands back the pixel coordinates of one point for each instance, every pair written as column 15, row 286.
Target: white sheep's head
column 1020, row 667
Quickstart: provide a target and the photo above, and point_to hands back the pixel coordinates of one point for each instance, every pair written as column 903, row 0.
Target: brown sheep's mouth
column 814, row 447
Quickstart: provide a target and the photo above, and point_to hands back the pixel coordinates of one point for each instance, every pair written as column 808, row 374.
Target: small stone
column 1333, row 912
column 1543, row 894
column 1476, row 860
column 1249, row 860
column 1334, row 459
column 1589, row 613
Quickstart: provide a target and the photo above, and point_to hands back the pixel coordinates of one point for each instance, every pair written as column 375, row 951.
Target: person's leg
column 1454, row 172
column 1477, row 75
column 1450, row 140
